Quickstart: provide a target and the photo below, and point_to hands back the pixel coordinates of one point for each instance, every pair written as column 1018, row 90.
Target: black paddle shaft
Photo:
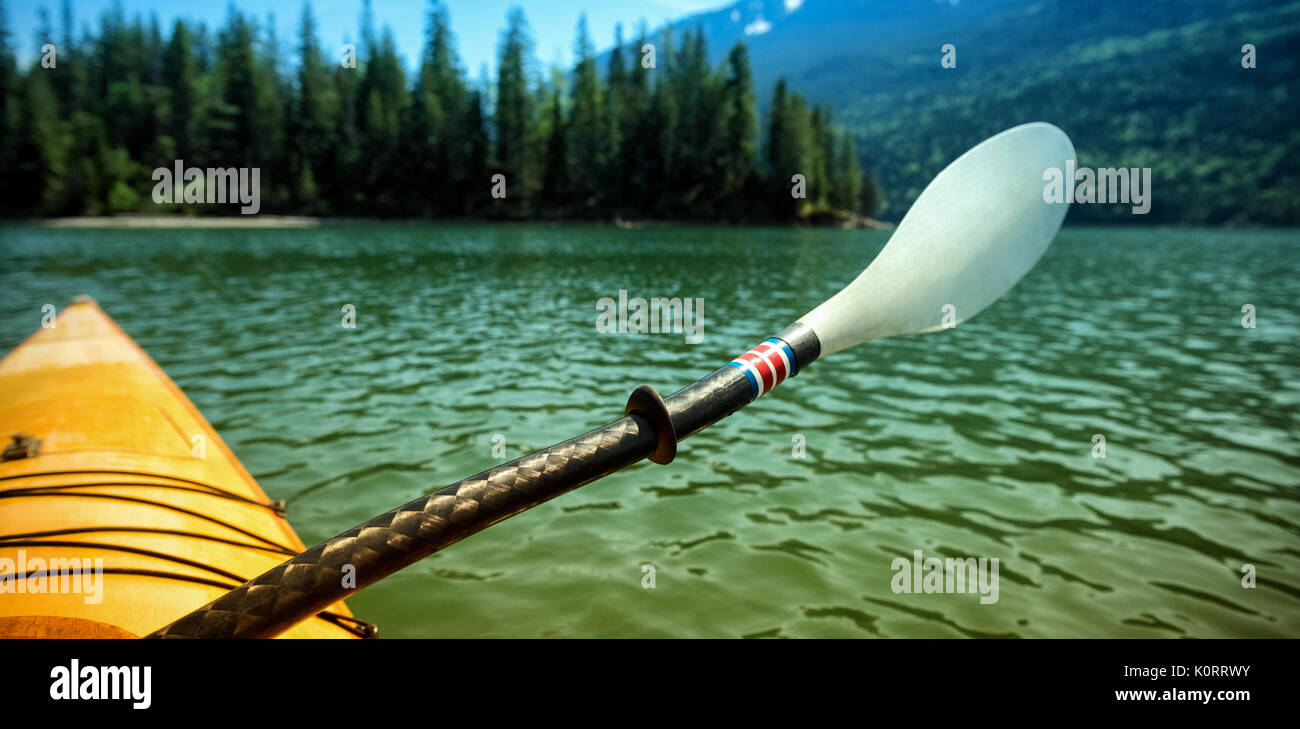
column 312, row 581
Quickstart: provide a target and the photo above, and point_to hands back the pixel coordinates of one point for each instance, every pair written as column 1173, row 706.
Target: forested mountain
column 740, row 99
column 1155, row 83
column 83, row 130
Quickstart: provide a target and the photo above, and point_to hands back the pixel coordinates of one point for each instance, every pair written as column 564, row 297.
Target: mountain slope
column 1154, row 84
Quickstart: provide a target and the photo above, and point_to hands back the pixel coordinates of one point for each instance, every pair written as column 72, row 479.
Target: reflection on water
column 972, row 442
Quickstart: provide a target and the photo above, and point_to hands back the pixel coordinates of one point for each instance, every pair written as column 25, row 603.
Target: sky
column 476, row 23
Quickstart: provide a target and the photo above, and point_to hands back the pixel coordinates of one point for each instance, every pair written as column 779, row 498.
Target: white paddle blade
column 975, row 230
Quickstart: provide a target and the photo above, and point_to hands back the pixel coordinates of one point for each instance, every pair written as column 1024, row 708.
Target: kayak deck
column 127, row 471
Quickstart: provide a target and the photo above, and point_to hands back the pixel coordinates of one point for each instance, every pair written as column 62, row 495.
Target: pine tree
column 555, row 194
column 847, row 193
column 346, row 160
column 452, row 186
column 476, row 161
column 588, row 139
column 693, row 157
column 234, row 126
column 64, row 76
column 638, row 137
column 313, row 121
column 737, row 154
column 180, row 78
column 820, row 153
column 43, row 149
column 514, row 111
column 781, row 164
column 10, row 119
column 423, row 131
column 617, row 107
column 663, row 121
column 274, row 100
column 383, row 101
column 869, row 198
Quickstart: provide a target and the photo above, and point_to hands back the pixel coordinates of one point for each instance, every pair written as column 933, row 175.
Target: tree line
column 658, row 132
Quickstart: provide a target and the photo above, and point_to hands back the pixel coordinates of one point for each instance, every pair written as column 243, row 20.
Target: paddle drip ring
column 645, row 401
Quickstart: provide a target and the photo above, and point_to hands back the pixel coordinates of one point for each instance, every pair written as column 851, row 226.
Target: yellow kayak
column 121, row 509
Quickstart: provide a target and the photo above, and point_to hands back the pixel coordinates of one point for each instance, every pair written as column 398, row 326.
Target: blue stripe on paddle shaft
column 753, row 381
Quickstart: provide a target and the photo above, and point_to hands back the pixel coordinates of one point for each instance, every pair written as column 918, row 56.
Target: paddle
column 971, row 235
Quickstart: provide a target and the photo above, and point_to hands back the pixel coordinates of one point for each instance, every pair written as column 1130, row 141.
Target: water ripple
column 473, row 341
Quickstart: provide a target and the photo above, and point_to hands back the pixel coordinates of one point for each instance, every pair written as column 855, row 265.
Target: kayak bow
column 121, row 467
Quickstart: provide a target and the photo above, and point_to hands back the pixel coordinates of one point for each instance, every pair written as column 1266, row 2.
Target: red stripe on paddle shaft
column 761, row 365
column 772, row 354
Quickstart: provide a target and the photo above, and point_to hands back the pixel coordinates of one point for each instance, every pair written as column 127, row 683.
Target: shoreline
column 268, row 222
column 290, row 222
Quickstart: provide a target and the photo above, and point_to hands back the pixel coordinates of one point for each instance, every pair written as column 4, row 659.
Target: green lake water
column 975, row 442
